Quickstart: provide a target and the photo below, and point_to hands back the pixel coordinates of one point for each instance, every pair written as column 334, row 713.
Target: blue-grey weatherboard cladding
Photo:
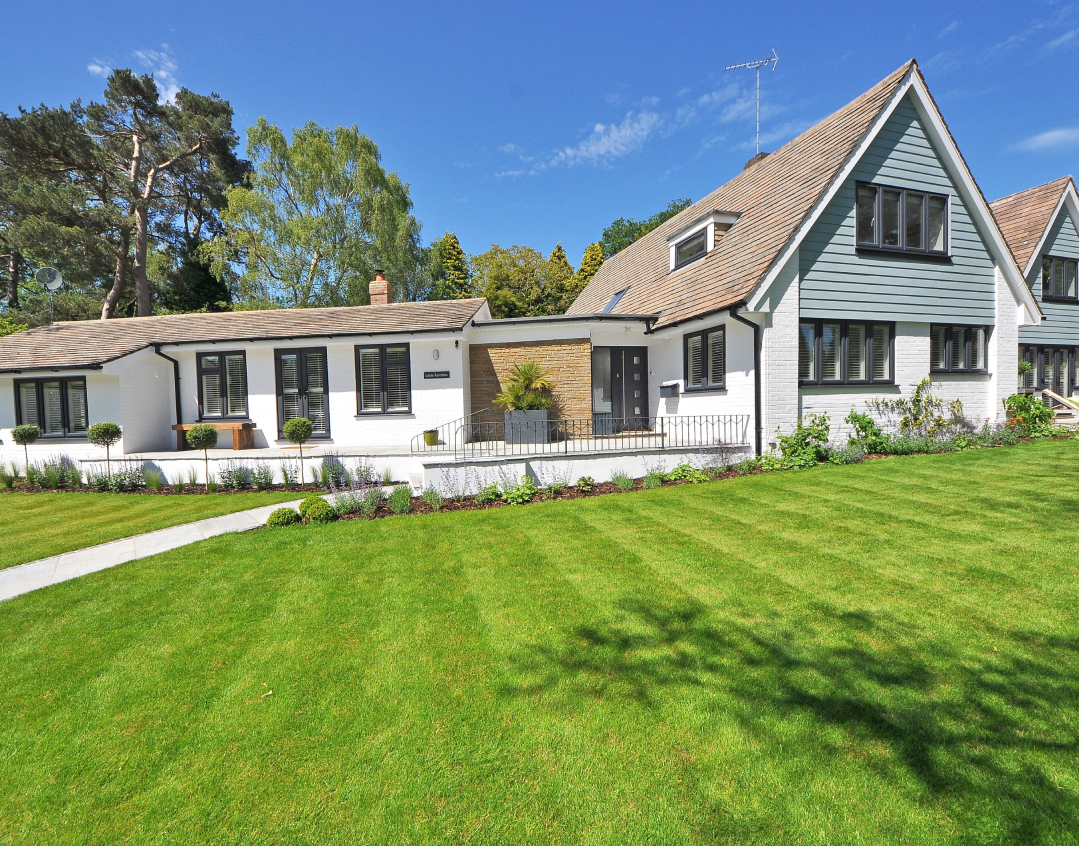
column 1061, row 319
column 838, row 282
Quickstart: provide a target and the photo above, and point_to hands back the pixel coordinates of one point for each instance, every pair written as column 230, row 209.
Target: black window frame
column 303, row 352
column 967, row 347
column 878, row 246
column 360, row 411
column 1055, row 297
column 706, row 384
column 65, row 412
column 1037, row 354
column 686, row 262
column 818, row 353
column 199, row 370
column 615, row 298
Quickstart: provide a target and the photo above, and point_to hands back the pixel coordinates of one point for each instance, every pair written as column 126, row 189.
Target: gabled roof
column 772, row 196
column 778, row 198
column 91, row 343
column 1024, row 218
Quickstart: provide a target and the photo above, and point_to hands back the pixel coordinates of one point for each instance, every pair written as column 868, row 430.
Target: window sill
column 959, row 373
column 363, row 415
column 1060, row 300
column 707, row 389
column 938, row 258
column 316, row 440
column 212, row 420
column 802, row 384
column 693, row 260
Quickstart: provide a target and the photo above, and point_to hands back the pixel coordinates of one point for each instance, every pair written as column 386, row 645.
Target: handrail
column 445, row 440
column 599, row 433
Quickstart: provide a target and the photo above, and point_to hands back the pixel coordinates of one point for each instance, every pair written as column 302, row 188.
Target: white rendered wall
column 147, row 397
column 779, row 355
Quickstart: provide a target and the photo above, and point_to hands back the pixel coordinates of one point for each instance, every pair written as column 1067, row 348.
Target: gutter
column 756, row 371
column 176, row 379
column 647, row 319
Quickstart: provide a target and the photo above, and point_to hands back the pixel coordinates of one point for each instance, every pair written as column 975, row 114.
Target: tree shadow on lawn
column 979, row 731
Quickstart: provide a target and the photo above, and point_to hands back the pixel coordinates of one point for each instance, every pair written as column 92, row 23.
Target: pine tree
column 559, row 282
column 590, row 265
column 450, row 278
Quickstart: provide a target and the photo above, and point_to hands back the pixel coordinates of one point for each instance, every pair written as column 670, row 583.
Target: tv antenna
column 50, row 279
column 773, row 60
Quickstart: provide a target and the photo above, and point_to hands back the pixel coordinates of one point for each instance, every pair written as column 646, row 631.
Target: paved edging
column 23, row 578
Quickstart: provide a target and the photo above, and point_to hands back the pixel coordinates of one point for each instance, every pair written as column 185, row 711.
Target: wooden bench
column 243, row 432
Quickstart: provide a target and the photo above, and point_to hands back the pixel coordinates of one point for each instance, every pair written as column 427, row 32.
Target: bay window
column 57, row 406
column 842, row 352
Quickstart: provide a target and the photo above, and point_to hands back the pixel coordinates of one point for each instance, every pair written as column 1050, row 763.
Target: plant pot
column 430, row 437
column 527, row 427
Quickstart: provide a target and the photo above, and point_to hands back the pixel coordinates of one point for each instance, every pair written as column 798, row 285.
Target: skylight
column 614, row 300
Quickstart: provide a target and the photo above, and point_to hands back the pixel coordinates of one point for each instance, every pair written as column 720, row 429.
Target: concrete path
column 24, row 578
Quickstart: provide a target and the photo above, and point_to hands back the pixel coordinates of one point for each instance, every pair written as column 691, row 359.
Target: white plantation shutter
column 856, row 369
column 807, row 351
column 290, row 387
column 211, row 394
column 830, row 357
column 397, row 381
column 76, row 406
column 53, row 405
column 717, row 358
column 882, row 353
column 937, row 348
column 28, row 403
column 317, row 399
column 693, row 354
column 370, row 379
column 236, row 381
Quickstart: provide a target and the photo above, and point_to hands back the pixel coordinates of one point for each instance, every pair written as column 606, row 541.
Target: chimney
column 380, row 290
column 754, row 160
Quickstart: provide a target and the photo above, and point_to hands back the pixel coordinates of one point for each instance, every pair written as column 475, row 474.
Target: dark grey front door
column 629, row 387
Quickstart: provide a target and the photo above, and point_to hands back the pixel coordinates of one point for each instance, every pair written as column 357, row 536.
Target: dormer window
column 699, row 238
column 607, row 309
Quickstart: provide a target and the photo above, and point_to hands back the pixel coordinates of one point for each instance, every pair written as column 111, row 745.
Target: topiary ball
column 282, row 517
column 320, row 512
column 307, row 503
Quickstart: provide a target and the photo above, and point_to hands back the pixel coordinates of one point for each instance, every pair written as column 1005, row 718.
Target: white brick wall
column 779, row 355
column 1004, row 349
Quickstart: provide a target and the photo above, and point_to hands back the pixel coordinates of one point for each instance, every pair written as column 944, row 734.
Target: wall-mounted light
column 434, row 354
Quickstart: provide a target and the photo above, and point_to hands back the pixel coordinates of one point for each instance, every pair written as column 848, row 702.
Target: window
column 58, row 406
column 957, row 349
column 691, row 249
column 222, row 385
column 897, row 219
column 1059, row 278
column 705, row 362
column 383, row 379
column 607, row 309
column 302, row 390
column 1053, row 368
column 833, row 352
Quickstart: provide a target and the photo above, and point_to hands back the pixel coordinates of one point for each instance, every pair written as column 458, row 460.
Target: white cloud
column 1071, row 37
column 948, row 30
column 782, row 133
column 1053, row 139
column 610, row 141
column 650, row 101
column 99, row 67
column 162, row 65
column 687, row 113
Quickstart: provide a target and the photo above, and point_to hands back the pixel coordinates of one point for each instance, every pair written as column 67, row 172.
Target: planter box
column 527, row 427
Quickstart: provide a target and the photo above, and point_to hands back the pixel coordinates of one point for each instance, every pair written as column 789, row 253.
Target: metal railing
column 446, row 434
column 490, row 436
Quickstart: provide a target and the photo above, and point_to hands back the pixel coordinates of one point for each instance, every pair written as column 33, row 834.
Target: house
column 1041, row 226
column 842, row 268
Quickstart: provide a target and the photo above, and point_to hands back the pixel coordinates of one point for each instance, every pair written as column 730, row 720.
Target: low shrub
column 370, row 501
column 744, row 468
column 211, row 485
column 308, row 503
column 807, row 445
column 51, row 478
column 128, row 476
column 179, row 485
column 521, row 492
column 262, row 476
column 586, row 484
column 553, row 490
column 290, row 475
column 852, row 453
column 433, row 498
column 283, row 517
column 7, row 480
column 652, row 479
column 867, row 434
column 1029, row 415
column 365, row 473
column 686, row 472
column 400, row 500
column 387, row 476
column 236, row 476
column 320, row 512
column 623, row 481
column 333, row 471
column 488, row 494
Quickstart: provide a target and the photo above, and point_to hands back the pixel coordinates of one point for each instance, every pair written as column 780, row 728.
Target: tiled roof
column 88, row 343
column 1023, row 217
column 772, row 196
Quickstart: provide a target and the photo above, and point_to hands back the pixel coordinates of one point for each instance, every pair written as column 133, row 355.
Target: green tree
column 9, row 326
column 450, row 277
column 320, row 215
column 204, row 437
column 24, row 435
column 512, row 279
column 624, row 231
column 559, row 285
column 298, row 430
column 105, row 434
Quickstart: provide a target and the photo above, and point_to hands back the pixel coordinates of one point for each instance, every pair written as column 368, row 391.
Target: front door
column 629, row 388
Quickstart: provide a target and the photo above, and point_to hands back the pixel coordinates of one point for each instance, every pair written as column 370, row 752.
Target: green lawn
column 36, row 526
column 883, row 653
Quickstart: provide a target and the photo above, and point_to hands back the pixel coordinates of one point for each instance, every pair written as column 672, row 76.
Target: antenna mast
column 757, row 65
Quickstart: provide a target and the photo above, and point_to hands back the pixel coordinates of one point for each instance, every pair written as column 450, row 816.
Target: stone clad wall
column 568, row 362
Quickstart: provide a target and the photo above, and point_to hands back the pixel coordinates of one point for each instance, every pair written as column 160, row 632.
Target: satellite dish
column 50, row 279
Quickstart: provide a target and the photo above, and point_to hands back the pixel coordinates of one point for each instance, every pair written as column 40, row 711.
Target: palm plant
column 528, row 387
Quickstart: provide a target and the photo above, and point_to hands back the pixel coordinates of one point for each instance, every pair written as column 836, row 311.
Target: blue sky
column 539, row 123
